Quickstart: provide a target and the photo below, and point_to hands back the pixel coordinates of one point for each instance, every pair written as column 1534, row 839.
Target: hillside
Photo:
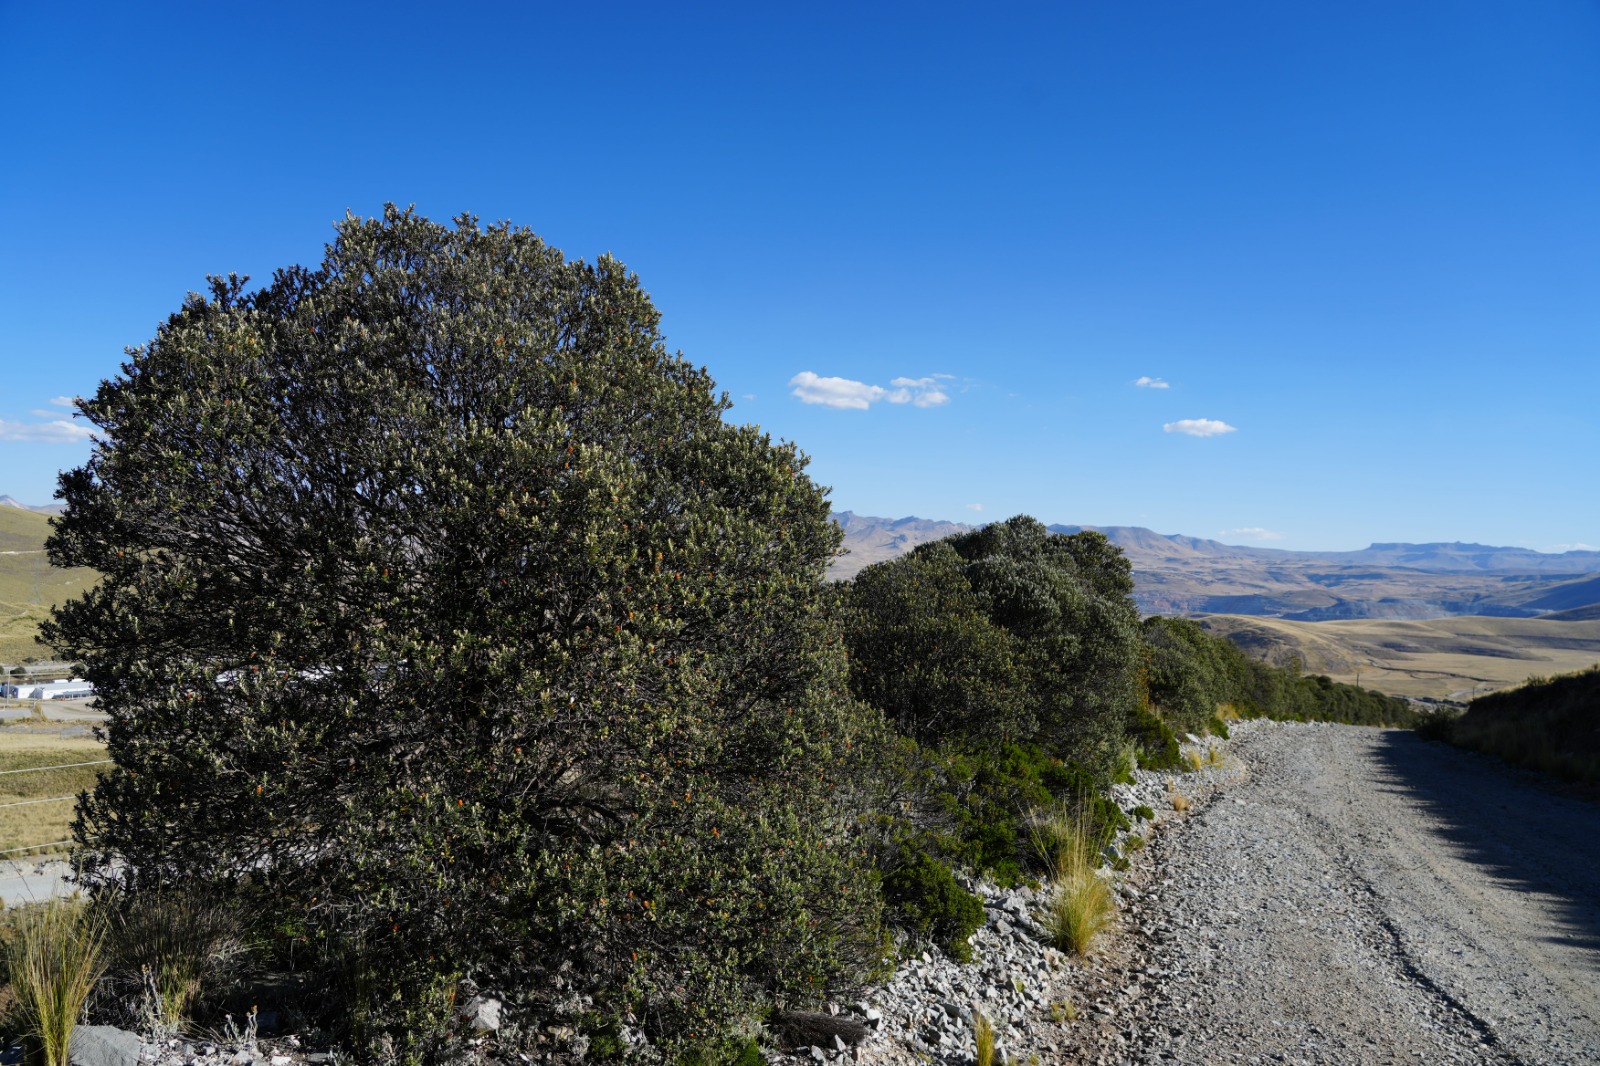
column 1182, row 575
column 29, row 585
column 1441, row 658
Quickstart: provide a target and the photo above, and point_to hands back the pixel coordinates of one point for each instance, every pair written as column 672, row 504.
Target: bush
column 924, row 898
column 1157, row 743
column 438, row 596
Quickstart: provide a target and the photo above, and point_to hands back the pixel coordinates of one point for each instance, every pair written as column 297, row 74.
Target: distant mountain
column 870, row 540
column 1183, row 575
column 9, row 501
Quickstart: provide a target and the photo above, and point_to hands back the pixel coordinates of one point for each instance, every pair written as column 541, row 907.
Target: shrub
column 924, row 897
column 54, row 958
column 438, row 595
column 1217, row 727
column 1157, row 743
column 1145, row 812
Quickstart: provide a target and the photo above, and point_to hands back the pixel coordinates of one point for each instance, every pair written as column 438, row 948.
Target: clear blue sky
column 1358, row 242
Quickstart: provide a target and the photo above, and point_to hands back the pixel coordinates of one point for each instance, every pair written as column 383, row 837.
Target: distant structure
column 74, row 689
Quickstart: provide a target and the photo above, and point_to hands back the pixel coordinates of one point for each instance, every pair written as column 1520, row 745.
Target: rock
column 103, row 1045
column 839, row 1044
column 482, row 1013
column 818, row 1054
column 807, row 1028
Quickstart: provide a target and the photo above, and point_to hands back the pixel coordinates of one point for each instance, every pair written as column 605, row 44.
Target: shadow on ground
column 1513, row 825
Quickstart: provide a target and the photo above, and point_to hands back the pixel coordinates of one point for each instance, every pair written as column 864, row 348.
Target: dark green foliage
column 1191, row 674
column 1157, row 743
column 1217, row 727
column 1008, row 634
column 923, row 650
column 1549, row 724
column 1144, row 812
column 924, row 897
column 445, row 622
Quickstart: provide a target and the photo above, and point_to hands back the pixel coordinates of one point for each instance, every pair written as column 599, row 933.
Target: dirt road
column 1367, row 897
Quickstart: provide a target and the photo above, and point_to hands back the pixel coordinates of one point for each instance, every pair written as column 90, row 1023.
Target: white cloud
column 64, row 401
column 847, row 394
column 1152, row 383
column 1200, row 427
column 1580, row 547
column 974, row 506
column 1251, row 533
column 55, row 431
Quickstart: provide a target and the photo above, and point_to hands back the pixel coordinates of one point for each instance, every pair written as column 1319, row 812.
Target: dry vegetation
column 1441, row 657
column 29, row 586
column 41, row 823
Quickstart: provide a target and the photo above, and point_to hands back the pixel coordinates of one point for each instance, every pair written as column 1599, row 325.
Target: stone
column 482, row 1013
column 103, row 1045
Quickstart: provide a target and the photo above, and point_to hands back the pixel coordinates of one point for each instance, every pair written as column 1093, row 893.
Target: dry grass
column 49, row 821
column 1440, row 657
column 1080, row 903
column 54, row 958
column 1192, row 759
column 983, row 1035
column 1180, row 802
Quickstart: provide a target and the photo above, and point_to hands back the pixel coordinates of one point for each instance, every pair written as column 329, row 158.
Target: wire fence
column 36, row 848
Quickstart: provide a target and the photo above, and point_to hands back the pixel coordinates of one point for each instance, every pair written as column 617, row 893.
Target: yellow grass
column 1441, row 657
column 54, row 958
column 1080, row 903
column 983, row 1035
column 1180, row 802
column 42, row 822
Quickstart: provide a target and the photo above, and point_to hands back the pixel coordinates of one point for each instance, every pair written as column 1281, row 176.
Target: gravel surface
column 1363, row 896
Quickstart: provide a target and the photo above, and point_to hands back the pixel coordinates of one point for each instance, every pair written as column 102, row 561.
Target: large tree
column 446, row 621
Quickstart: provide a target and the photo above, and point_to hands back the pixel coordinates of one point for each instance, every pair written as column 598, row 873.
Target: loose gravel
column 1368, row 897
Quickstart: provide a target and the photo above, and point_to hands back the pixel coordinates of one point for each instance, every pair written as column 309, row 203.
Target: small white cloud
column 55, row 431
column 850, row 395
column 1251, row 533
column 1152, row 383
column 1200, row 427
column 64, row 401
column 1579, row 547
column 974, row 506
column 747, row 396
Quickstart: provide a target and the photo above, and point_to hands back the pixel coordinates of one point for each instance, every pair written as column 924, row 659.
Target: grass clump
column 1192, row 759
column 1080, row 903
column 55, row 957
column 1063, row 1011
column 170, row 944
column 1144, row 811
column 983, row 1036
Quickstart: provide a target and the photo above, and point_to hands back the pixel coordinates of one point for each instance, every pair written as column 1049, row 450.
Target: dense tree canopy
column 445, row 619
column 1007, row 633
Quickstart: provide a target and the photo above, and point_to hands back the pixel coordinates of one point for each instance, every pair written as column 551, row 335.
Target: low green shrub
column 1145, row 812
column 1158, row 744
column 924, row 898
column 1217, row 727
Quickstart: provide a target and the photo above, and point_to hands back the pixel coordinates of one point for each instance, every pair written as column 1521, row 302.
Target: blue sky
column 1356, row 246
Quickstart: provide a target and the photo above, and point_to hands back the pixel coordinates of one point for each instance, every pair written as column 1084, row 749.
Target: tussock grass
column 55, row 957
column 1549, row 724
column 169, row 944
column 1080, row 903
column 1192, row 759
column 983, row 1035
column 1180, row 802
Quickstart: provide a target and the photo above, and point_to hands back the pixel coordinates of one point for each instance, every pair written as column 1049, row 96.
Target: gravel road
column 1363, row 896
